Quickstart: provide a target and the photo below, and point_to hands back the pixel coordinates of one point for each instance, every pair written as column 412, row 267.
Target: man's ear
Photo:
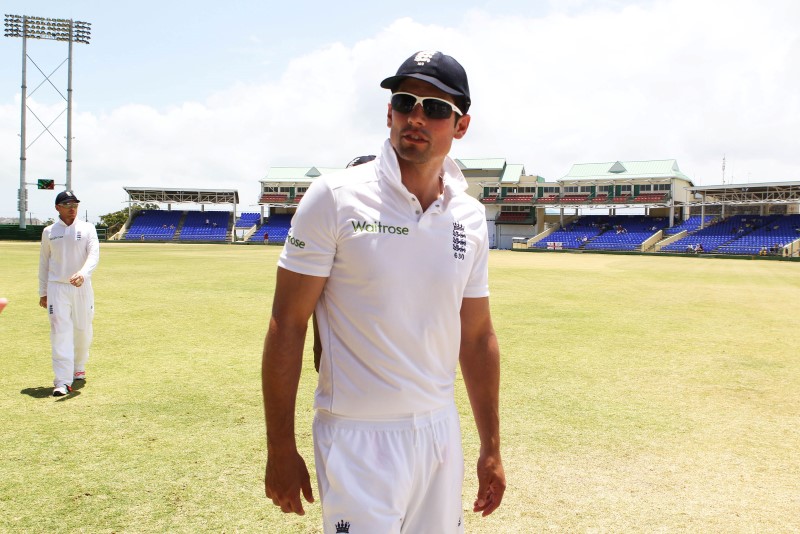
column 389, row 115
column 461, row 127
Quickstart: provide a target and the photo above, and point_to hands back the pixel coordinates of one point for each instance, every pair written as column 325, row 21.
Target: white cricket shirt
column 389, row 313
column 67, row 250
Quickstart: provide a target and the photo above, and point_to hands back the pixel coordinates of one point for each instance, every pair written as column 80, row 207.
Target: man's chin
column 414, row 152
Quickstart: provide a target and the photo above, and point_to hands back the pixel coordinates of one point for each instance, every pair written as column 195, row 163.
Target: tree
column 114, row 221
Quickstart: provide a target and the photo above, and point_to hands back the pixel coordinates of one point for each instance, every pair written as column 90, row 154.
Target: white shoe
column 60, row 391
column 79, row 375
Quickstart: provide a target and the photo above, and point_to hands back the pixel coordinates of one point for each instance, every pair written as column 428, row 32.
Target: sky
column 210, row 95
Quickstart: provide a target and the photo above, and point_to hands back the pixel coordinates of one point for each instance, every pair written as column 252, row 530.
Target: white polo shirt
column 67, row 250
column 389, row 313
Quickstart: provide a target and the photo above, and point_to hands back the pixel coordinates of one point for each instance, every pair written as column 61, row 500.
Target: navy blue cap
column 66, row 196
column 438, row 69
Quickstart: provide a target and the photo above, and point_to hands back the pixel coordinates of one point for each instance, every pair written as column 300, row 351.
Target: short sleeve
column 311, row 244
column 478, row 282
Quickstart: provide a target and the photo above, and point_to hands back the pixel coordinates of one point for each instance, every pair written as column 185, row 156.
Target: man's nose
column 416, row 114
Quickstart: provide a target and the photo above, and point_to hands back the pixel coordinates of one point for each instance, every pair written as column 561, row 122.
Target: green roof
column 512, row 173
column 614, row 170
column 494, row 164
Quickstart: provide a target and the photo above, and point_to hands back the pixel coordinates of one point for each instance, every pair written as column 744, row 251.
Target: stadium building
column 633, row 206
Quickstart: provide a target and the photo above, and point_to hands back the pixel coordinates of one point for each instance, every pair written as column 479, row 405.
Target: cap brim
column 393, row 81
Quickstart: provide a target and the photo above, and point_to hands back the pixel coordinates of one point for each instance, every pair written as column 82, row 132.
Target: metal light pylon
column 54, row 30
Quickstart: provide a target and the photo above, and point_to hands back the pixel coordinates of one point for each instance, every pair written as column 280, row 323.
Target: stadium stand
column 274, row 197
column 514, row 217
column 566, row 199
column 710, row 238
column 601, row 198
column 205, row 226
column 549, row 199
column 525, row 199
column 768, row 238
column 690, row 225
column 625, row 232
column 248, row 220
column 154, row 225
column 650, row 197
column 574, row 236
column 276, row 228
column 601, row 232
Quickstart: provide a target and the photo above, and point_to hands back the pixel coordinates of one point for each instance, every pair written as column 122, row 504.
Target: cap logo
column 424, row 57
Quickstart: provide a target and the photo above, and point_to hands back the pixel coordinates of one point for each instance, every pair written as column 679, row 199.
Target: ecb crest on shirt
column 459, row 241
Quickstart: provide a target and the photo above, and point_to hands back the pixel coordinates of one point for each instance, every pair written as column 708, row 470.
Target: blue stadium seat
column 277, row 229
column 153, row 225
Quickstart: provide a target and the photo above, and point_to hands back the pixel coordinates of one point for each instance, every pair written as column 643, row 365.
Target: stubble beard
column 413, row 152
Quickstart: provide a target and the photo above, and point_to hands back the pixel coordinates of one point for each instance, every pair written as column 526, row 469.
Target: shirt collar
column 452, row 178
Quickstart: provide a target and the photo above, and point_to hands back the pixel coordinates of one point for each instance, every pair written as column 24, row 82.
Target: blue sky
column 168, row 52
column 211, row 95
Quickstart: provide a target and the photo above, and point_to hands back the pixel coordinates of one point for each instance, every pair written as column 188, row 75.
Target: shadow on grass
column 45, row 392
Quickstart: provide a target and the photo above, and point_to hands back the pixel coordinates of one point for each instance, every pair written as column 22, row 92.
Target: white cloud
column 690, row 80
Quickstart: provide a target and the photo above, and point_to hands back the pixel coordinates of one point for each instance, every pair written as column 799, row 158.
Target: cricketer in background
column 69, row 254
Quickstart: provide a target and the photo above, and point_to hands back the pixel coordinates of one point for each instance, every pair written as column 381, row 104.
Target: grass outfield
column 639, row 393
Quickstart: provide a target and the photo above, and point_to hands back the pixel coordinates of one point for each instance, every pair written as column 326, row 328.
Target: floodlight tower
column 54, row 30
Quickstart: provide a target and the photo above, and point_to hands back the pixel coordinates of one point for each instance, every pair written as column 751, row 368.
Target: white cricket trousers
column 71, row 310
column 390, row 476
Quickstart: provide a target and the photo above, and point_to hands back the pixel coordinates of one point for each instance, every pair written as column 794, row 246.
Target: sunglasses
column 69, row 205
column 434, row 108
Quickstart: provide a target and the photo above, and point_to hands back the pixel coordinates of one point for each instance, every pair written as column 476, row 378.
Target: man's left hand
column 491, row 484
column 76, row 280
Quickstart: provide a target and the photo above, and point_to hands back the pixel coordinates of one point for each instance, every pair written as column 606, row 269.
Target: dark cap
column 440, row 70
column 360, row 160
column 66, row 196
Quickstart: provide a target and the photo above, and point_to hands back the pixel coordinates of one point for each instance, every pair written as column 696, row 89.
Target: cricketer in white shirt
column 67, row 251
column 392, row 256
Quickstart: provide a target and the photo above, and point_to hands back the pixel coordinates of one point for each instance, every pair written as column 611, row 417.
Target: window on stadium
column 519, row 190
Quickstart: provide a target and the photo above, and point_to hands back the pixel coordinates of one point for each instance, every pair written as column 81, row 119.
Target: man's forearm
column 480, row 367
column 280, row 375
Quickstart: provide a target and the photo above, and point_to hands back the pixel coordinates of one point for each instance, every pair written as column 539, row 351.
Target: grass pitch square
column 639, row 393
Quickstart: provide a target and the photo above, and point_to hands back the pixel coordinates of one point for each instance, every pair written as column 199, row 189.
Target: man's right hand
column 43, row 302
column 284, row 478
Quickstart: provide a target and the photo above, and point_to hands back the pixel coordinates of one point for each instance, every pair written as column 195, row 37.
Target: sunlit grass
column 639, row 394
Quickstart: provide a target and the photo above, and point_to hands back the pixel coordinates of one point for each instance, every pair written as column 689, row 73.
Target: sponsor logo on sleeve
column 295, row 242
